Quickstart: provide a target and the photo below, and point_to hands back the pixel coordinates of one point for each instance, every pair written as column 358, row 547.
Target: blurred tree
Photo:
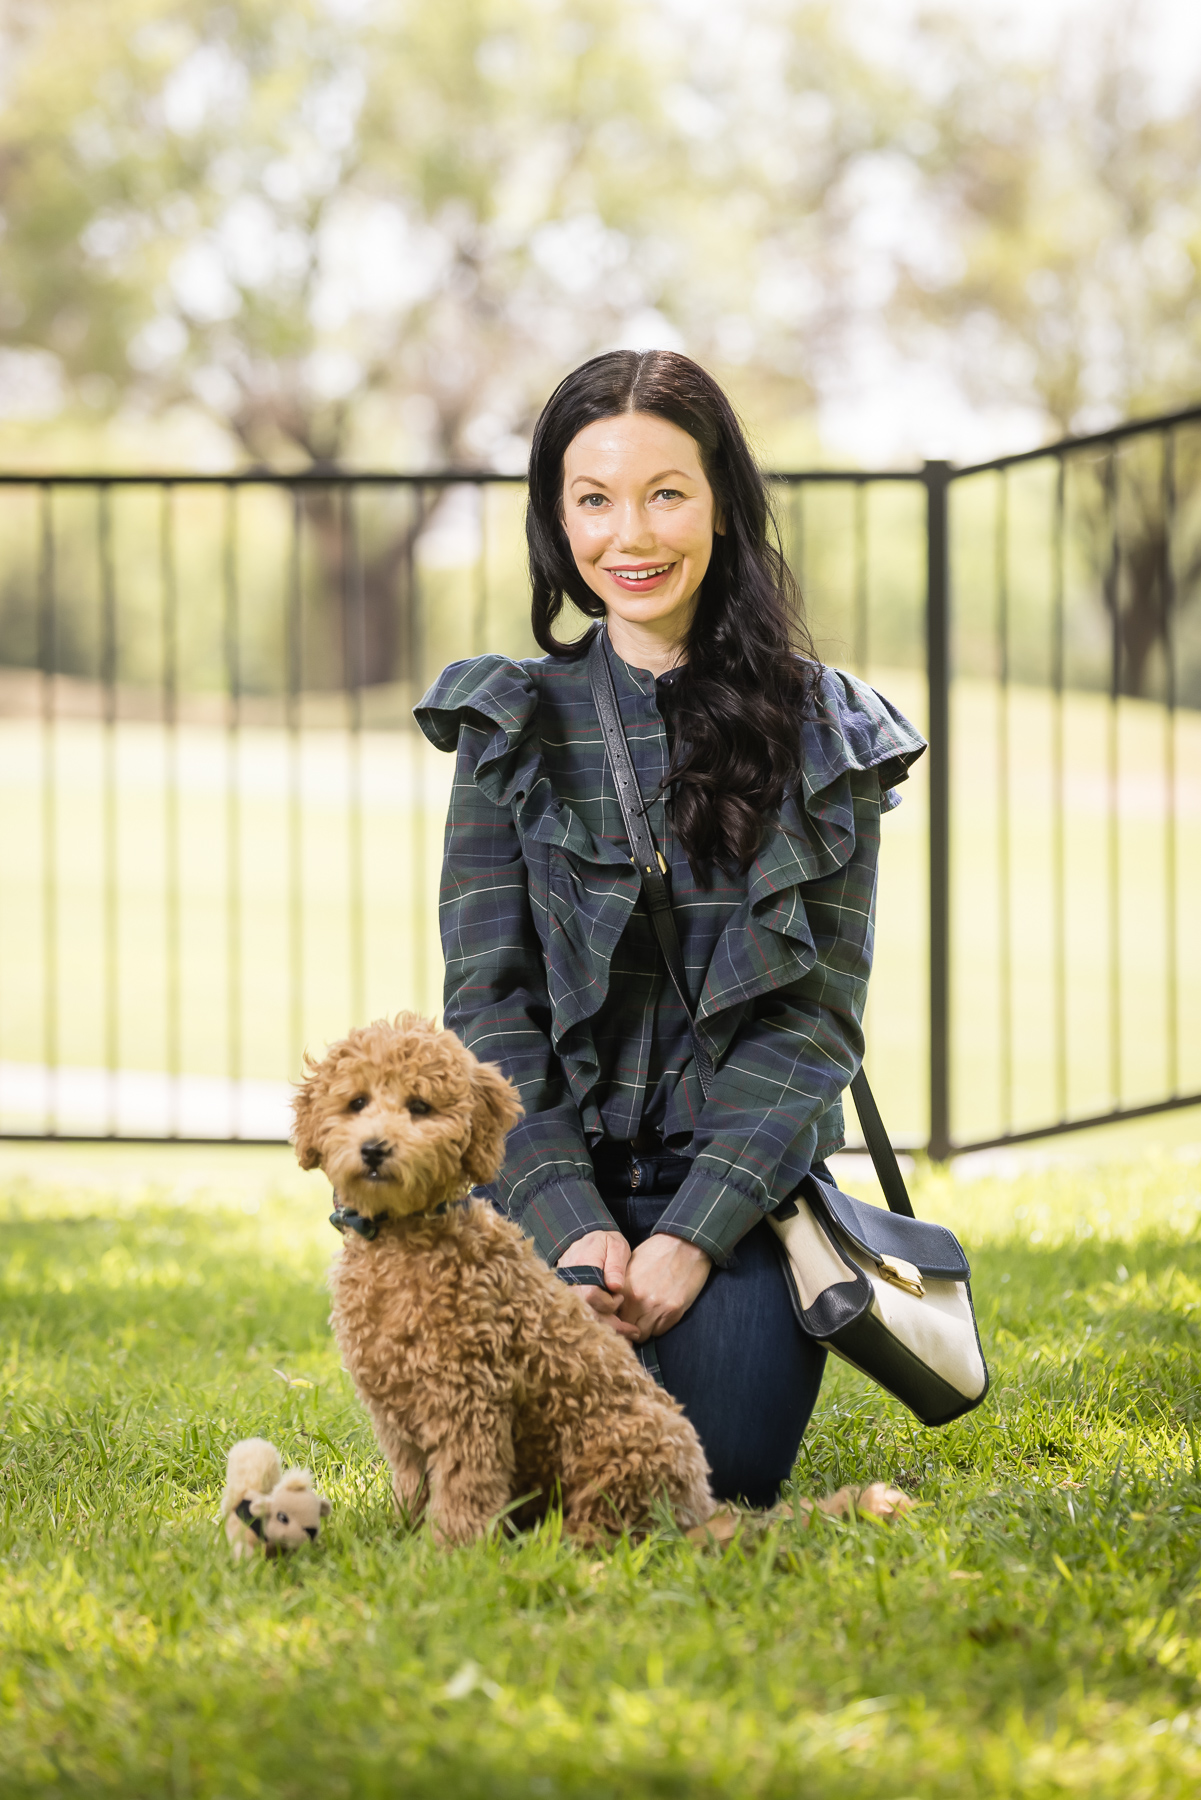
column 323, row 221
column 301, row 217
column 1067, row 206
column 1065, row 203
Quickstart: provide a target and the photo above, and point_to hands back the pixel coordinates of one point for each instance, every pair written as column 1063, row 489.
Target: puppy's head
column 291, row 1513
column 402, row 1117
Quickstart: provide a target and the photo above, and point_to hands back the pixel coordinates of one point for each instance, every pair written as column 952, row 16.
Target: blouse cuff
column 711, row 1213
column 565, row 1209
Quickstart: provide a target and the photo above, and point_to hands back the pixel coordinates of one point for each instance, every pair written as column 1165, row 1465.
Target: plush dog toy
column 265, row 1510
column 486, row 1378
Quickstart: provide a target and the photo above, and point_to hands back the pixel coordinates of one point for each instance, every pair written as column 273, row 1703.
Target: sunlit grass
column 1033, row 1632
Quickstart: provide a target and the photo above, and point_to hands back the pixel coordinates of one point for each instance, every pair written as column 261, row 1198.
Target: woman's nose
column 633, row 528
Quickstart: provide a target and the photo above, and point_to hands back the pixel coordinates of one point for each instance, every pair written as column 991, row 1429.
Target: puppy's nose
column 373, row 1153
column 312, row 1531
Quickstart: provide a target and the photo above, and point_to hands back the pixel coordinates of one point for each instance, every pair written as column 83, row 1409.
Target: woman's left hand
column 662, row 1279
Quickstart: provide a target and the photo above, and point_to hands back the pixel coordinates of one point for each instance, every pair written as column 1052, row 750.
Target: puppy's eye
column 418, row 1108
column 282, row 1517
column 358, row 1103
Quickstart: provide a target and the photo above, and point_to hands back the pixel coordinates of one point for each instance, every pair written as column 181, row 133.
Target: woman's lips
column 643, row 579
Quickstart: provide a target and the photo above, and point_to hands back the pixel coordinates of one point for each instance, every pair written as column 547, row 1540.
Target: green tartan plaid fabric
column 553, row 972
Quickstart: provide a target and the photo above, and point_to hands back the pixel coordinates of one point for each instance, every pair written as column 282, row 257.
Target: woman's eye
column 418, row 1108
column 594, row 501
column 668, row 494
column 358, row 1103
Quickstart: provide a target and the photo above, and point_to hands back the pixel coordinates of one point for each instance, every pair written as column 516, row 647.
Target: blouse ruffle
column 767, row 942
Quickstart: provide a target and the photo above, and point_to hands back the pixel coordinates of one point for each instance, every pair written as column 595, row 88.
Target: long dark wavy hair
column 750, row 665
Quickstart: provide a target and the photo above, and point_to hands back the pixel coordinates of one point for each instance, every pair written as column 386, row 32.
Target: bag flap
column 929, row 1247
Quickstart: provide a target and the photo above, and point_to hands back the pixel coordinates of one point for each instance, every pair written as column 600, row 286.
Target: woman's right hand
column 609, row 1251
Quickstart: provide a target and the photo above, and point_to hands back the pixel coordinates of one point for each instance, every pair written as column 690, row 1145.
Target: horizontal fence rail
column 223, row 831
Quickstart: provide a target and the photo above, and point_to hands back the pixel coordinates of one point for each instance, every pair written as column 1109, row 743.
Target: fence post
column 936, row 476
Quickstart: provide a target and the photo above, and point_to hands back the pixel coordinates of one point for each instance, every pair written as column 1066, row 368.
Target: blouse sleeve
column 496, row 1000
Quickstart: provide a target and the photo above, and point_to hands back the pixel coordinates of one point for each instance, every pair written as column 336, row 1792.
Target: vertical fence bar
column 936, row 476
column 1058, row 812
column 108, row 678
column 354, row 625
column 47, row 659
column 294, row 650
column 413, row 659
column 1171, row 922
column 862, row 647
column 796, row 514
column 1113, row 600
column 233, row 813
column 169, row 598
column 479, row 620
column 1004, row 893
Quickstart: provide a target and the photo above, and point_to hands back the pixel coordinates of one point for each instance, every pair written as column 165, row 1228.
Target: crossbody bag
column 889, row 1293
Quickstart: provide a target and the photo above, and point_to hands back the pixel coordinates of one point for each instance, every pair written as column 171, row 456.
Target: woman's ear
column 306, row 1111
column 494, row 1109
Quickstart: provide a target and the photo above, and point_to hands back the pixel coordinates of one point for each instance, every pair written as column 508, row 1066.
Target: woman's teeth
column 641, row 574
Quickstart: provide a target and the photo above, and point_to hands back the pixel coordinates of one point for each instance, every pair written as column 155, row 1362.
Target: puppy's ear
column 495, row 1107
column 325, row 1509
column 306, row 1111
column 260, row 1505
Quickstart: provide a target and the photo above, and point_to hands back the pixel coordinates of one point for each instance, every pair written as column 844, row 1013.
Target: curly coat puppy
column 486, row 1378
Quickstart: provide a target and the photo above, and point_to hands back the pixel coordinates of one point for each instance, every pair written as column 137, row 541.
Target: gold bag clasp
column 902, row 1274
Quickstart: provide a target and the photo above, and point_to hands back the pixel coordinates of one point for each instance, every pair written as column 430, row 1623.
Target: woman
column 765, row 777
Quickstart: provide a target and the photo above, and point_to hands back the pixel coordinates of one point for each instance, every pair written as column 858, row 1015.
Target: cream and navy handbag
column 888, row 1293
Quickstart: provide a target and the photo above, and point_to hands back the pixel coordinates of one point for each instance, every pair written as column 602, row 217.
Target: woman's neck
column 642, row 646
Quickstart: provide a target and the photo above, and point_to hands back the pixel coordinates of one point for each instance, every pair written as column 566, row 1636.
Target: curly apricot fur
column 486, row 1378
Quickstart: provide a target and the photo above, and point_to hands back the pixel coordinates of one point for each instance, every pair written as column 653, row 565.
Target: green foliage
column 1033, row 1632
column 1067, row 278
column 307, row 218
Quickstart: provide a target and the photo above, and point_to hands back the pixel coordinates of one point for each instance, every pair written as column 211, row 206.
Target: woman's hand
column 662, row 1279
column 609, row 1251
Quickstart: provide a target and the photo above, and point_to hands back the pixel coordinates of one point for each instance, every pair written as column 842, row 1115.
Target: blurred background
column 283, row 287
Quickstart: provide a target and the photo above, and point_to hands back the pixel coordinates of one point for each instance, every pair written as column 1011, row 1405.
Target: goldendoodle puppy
column 486, row 1378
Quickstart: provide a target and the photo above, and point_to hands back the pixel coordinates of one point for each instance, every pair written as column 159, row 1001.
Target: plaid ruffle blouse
column 554, row 974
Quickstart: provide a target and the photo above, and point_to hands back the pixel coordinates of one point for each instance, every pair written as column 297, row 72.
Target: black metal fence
column 221, row 831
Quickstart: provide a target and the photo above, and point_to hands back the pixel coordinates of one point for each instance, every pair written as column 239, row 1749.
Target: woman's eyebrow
column 596, row 481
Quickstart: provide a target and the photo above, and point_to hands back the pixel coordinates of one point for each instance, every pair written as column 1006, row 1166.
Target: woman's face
column 640, row 516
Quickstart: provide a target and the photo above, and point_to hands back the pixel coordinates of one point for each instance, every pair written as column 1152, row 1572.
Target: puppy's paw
column 880, row 1501
column 876, row 1501
column 720, row 1529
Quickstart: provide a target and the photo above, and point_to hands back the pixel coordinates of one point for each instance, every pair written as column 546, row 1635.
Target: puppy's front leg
column 471, row 1477
column 409, row 1485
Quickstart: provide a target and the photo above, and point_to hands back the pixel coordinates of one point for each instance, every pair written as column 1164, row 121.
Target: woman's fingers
column 662, row 1279
column 616, row 1261
column 608, row 1251
column 605, row 1250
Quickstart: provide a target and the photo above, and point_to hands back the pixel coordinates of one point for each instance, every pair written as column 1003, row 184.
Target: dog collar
column 248, row 1518
column 345, row 1218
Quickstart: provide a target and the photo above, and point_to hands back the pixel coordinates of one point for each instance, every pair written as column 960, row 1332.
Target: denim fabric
column 738, row 1362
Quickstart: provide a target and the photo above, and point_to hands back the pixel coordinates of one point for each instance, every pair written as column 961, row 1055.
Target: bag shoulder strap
column 651, row 870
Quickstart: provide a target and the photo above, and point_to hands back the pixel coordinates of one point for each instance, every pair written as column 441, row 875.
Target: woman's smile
column 636, row 579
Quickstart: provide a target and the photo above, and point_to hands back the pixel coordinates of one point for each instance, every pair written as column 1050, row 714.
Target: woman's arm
column 496, row 1000
column 788, row 1063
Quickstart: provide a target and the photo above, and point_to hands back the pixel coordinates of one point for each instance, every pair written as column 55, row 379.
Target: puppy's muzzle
column 375, row 1153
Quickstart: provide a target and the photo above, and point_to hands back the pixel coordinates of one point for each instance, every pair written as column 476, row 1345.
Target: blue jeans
column 738, row 1362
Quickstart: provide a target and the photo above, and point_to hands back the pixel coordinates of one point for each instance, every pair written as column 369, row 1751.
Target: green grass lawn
column 1033, row 1631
